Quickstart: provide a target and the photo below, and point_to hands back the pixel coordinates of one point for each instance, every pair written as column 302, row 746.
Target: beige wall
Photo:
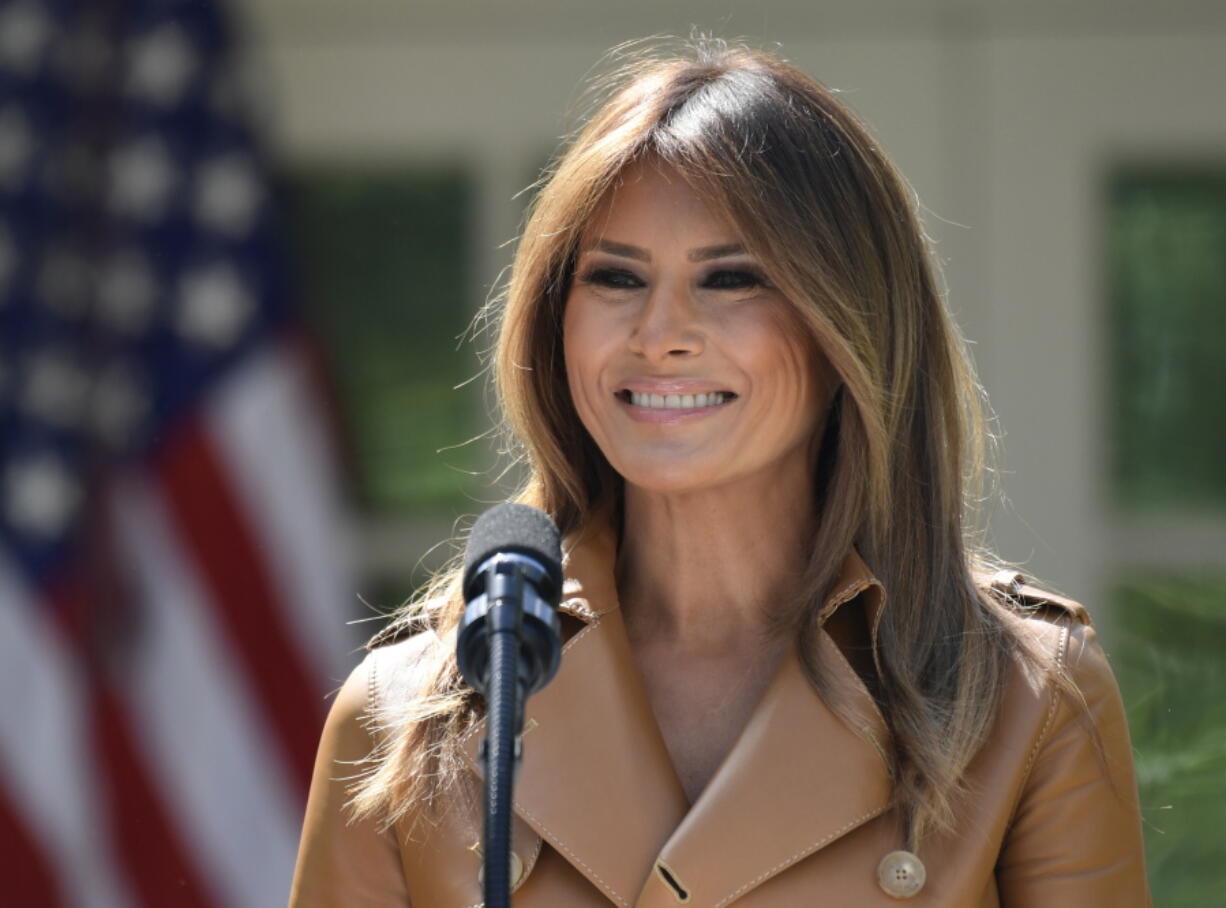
column 1004, row 117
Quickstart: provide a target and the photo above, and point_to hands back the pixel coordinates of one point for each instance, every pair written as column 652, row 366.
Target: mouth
column 675, row 401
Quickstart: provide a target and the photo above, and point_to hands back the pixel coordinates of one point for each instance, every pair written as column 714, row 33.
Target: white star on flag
column 24, row 33
column 160, row 65
column 55, row 389
column 142, row 176
column 228, row 194
column 40, row 496
column 214, row 305
column 127, row 292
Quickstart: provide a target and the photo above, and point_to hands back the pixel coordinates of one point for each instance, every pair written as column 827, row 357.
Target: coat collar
column 598, row 784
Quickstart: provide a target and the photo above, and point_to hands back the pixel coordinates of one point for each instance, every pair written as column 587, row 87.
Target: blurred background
column 239, row 247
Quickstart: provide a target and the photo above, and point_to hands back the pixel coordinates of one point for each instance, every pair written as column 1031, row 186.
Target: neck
column 698, row 572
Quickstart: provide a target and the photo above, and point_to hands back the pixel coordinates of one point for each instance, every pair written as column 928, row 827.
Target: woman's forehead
column 645, row 192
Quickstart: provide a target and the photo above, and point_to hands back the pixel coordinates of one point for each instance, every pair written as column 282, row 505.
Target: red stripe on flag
column 217, row 536
column 145, row 840
column 28, row 879
column 157, row 865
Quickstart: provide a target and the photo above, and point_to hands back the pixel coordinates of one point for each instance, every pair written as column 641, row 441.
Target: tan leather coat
column 796, row 815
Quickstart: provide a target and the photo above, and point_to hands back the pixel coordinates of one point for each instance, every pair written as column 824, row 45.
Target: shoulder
column 344, row 855
column 399, row 672
column 389, row 675
column 1073, row 832
column 1011, row 588
column 1064, row 671
column 1059, row 667
column 1055, row 630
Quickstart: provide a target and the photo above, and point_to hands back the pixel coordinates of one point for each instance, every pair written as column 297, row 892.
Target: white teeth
column 677, row 401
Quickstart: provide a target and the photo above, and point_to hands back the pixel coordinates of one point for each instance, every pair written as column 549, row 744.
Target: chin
column 672, row 478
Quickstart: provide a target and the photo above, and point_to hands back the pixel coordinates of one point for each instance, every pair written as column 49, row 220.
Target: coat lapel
column 596, row 780
column 598, row 784
column 797, row 779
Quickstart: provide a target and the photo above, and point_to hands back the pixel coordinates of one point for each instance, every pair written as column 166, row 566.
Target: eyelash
column 613, row 279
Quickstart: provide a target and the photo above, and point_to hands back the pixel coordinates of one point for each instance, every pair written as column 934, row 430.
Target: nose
column 667, row 326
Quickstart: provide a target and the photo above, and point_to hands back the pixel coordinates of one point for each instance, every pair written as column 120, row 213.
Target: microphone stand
column 502, row 749
column 508, row 621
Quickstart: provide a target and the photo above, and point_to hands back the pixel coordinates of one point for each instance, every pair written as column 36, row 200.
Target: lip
column 664, row 386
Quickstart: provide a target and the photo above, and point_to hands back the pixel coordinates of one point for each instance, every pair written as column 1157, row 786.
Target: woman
column 788, row 679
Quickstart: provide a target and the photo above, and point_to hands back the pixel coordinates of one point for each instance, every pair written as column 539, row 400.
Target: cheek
column 800, row 365
column 582, row 338
column 794, row 391
column 787, row 365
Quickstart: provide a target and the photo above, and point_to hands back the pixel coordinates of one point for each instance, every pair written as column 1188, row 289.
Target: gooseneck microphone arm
column 509, row 646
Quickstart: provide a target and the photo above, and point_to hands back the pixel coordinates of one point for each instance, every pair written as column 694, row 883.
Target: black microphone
column 513, row 555
column 509, row 645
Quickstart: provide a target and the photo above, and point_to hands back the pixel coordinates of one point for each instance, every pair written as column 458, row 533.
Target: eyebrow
column 703, row 254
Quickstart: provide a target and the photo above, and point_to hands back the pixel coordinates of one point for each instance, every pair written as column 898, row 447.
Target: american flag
column 171, row 583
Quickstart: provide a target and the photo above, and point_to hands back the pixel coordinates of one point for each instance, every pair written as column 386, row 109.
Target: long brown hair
column 835, row 227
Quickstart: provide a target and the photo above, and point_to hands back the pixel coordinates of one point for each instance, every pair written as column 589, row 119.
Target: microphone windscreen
column 516, row 528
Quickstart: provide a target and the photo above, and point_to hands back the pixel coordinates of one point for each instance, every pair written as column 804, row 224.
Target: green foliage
column 1169, row 653
column 1166, row 265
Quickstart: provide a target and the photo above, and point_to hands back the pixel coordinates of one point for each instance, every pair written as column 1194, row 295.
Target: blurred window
column 383, row 262
column 1167, row 261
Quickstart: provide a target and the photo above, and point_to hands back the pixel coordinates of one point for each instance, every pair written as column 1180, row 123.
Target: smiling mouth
column 676, row 401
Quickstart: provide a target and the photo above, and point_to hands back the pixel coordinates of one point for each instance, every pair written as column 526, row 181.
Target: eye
column 613, row 278
column 726, row 279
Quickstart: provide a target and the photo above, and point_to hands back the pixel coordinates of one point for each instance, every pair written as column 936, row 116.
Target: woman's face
column 686, row 366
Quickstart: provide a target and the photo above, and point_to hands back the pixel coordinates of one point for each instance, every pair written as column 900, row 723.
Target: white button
column 901, row 874
column 517, row 868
